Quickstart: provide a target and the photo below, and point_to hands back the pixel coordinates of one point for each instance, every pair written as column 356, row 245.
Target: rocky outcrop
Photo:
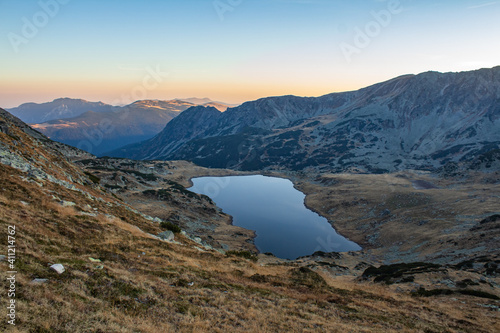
column 166, row 236
column 27, row 150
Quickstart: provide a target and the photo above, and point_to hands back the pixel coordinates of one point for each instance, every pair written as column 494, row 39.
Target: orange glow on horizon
column 15, row 93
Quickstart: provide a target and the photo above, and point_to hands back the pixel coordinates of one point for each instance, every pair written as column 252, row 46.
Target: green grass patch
column 146, row 176
column 305, row 276
column 399, row 273
column 436, row 292
column 170, row 226
column 93, row 178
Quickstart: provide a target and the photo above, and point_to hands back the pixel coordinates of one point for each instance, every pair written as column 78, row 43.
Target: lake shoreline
column 311, row 231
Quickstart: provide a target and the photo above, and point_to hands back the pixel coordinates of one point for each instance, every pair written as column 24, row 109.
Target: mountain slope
column 27, row 150
column 207, row 102
column 119, row 277
column 61, row 108
column 104, row 128
column 414, row 121
column 98, row 132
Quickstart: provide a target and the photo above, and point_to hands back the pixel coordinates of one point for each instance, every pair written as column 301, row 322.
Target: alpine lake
column 275, row 210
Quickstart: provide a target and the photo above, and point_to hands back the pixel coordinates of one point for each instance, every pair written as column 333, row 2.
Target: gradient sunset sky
column 232, row 50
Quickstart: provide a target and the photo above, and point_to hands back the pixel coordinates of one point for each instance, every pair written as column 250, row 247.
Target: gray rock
column 491, row 306
column 208, row 247
column 449, row 283
column 65, row 203
column 58, row 268
column 166, row 235
column 88, row 214
column 385, row 213
column 39, row 281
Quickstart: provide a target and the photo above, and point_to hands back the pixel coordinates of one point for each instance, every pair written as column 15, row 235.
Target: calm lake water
column 276, row 211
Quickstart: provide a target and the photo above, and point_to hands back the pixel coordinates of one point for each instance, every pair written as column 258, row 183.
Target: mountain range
column 426, row 121
column 104, row 243
column 61, row 108
column 97, row 127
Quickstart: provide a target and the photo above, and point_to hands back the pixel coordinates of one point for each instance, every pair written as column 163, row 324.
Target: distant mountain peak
column 196, row 100
column 68, row 99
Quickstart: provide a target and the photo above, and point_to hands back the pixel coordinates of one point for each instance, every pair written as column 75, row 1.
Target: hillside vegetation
column 120, row 277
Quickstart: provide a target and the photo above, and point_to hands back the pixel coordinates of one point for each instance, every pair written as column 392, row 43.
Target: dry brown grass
column 131, row 180
column 152, row 292
column 384, row 213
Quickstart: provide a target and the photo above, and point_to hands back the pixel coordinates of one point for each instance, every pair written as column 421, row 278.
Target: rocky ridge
column 424, row 122
column 90, row 261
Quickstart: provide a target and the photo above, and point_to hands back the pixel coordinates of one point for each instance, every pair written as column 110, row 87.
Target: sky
column 119, row 51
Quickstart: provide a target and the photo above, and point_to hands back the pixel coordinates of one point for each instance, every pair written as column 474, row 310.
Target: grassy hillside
column 120, row 277
column 142, row 284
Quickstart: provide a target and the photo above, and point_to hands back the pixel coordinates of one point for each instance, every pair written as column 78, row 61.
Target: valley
column 229, row 166
column 385, row 214
column 97, row 127
column 141, row 282
column 141, row 252
column 446, row 226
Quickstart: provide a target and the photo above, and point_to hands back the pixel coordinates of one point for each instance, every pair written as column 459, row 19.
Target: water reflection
column 276, row 211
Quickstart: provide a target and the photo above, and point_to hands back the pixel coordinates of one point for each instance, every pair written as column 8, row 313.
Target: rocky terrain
column 142, row 253
column 158, row 189
column 421, row 122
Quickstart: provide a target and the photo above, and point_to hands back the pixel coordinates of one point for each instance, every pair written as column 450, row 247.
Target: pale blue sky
column 102, row 49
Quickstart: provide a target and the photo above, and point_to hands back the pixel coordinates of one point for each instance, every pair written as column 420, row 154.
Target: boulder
column 166, row 235
column 58, row 268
